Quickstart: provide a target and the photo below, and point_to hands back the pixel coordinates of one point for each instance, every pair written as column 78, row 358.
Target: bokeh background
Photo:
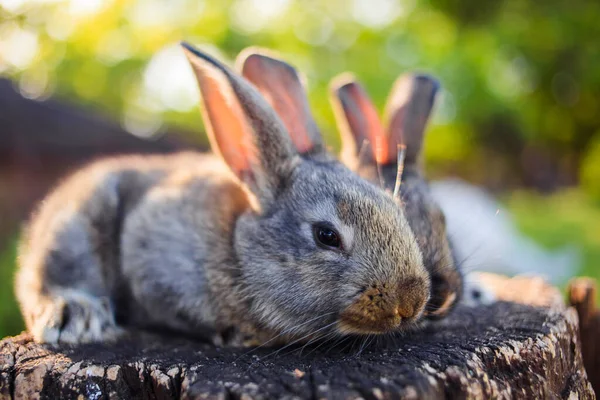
column 519, row 114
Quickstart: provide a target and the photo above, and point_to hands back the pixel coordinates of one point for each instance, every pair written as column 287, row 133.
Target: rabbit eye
column 326, row 237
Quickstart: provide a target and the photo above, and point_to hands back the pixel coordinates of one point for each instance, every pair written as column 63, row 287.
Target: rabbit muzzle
column 385, row 307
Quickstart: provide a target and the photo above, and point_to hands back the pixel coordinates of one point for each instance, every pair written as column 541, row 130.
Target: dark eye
column 326, row 236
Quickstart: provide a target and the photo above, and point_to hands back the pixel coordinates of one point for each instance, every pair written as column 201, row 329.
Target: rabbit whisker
column 287, row 331
column 276, row 352
column 313, row 340
column 368, row 340
column 326, row 339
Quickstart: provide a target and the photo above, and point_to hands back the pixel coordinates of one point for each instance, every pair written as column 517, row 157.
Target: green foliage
column 517, row 73
column 590, row 169
column 11, row 322
column 567, row 217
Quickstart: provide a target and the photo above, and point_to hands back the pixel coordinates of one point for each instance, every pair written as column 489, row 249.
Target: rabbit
column 281, row 85
column 490, row 240
column 253, row 244
column 376, row 153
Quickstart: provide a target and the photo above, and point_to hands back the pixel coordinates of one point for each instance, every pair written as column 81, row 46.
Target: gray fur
column 407, row 112
column 182, row 242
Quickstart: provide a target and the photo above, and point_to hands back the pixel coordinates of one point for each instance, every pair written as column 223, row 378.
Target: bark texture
column 582, row 296
column 505, row 350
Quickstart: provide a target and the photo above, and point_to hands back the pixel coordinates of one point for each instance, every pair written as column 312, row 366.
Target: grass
column 568, row 217
column 553, row 221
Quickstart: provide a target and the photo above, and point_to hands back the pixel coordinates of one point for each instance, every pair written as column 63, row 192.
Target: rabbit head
column 322, row 251
column 376, row 151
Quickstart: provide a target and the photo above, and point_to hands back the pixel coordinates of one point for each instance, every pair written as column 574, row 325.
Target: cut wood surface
column 505, row 350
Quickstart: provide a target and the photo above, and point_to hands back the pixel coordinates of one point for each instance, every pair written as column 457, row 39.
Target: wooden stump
column 582, row 296
column 505, row 350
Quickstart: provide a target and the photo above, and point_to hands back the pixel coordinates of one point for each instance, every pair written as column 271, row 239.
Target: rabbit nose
column 382, row 307
column 412, row 295
column 405, row 311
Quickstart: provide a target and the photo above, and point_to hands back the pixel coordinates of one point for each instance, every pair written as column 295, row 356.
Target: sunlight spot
column 160, row 13
column 314, row 28
column 34, row 84
column 86, row 7
column 59, row 25
column 169, row 79
column 141, row 123
column 16, row 6
column 13, row 6
column 115, row 46
column 18, row 46
column 250, row 16
column 379, row 13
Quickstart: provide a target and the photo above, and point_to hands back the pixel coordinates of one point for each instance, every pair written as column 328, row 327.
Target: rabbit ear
column 357, row 119
column 407, row 111
column 241, row 126
column 281, row 85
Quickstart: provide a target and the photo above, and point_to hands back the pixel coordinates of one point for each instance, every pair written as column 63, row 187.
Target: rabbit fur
column 374, row 150
column 222, row 245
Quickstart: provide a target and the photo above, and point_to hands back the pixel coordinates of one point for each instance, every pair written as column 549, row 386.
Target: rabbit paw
column 76, row 317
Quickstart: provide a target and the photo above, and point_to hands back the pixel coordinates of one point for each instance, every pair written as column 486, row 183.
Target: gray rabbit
column 377, row 152
column 253, row 244
column 409, row 108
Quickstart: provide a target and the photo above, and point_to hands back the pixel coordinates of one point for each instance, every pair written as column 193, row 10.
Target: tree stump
column 582, row 296
column 504, row 350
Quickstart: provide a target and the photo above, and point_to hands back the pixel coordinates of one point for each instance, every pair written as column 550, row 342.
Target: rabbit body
column 173, row 242
column 256, row 244
column 132, row 234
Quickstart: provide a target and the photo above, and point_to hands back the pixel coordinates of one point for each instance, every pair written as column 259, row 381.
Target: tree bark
column 582, row 296
column 505, row 350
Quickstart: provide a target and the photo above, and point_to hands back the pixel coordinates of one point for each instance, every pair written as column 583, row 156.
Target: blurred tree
column 522, row 90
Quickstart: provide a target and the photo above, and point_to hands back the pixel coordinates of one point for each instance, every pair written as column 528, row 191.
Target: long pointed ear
column 407, row 112
column 358, row 121
column 241, row 126
column 282, row 86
